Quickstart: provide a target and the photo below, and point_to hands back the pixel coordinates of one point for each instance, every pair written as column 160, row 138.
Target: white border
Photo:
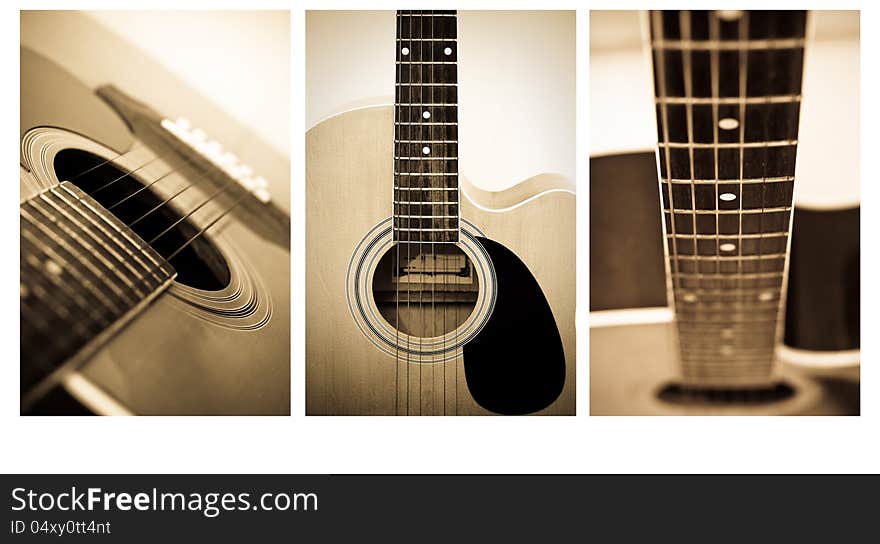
column 299, row 444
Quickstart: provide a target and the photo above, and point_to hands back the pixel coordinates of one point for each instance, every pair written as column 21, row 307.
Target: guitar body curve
column 530, row 242
column 189, row 351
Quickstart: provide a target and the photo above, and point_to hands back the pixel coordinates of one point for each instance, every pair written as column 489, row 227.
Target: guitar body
column 634, row 354
column 632, row 366
column 199, row 347
column 518, row 358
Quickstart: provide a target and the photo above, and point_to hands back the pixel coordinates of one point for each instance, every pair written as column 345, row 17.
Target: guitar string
column 129, row 174
column 143, row 279
column 715, row 74
column 185, row 161
column 444, row 268
column 765, row 152
column 742, row 34
column 687, row 79
column 432, row 244
column 460, row 353
column 409, row 233
column 397, row 196
column 420, row 255
column 660, row 86
column 55, row 339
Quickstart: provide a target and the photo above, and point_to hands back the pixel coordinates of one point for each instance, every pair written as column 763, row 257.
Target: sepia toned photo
column 724, row 213
column 440, row 213
column 154, row 213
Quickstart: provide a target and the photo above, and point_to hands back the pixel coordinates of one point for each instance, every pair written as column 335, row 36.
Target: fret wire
column 426, row 188
column 767, row 256
column 744, row 211
column 411, row 229
column 684, row 24
column 660, row 87
column 778, row 179
column 733, row 235
column 423, row 203
column 731, row 100
column 743, row 26
column 426, row 142
column 429, row 216
column 729, row 145
column 705, row 291
column 426, row 62
column 427, row 158
column 426, row 174
column 729, row 45
column 749, row 275
column 715, row 74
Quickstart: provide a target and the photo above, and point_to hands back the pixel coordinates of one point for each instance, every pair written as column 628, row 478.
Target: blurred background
column 621, row 101
column 516, row 85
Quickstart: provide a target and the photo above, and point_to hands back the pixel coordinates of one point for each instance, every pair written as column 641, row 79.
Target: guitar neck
column 727, row 93
column 83, row 273
column 426, row 128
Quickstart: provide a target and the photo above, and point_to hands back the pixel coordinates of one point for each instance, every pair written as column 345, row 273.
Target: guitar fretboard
column 426, row 128
column 727, row 92
column 82, row 274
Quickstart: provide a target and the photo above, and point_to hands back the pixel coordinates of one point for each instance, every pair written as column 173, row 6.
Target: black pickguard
column 516, row 365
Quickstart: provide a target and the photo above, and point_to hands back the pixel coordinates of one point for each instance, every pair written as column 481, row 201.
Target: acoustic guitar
column 717, row 239
column 154, row 271
column 426, row 295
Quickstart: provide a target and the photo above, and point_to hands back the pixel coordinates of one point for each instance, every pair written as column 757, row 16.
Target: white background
column 515, row 60
column 298, row 444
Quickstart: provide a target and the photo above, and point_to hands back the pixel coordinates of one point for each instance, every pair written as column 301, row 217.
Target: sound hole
column 200, row 265
column 425, row 290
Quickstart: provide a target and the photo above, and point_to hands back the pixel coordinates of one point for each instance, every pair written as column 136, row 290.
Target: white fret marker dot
column 426, row 114
column 729, row 14
column 726, row 350
column 52, row 268
column 404, row 51
column 690, row 297
column 426, row 150
column 727, row 334
column 727, row 197
column 765, row 296
column 728, row 123
column 728, row 247
column 23, row 291
column 447, row 51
